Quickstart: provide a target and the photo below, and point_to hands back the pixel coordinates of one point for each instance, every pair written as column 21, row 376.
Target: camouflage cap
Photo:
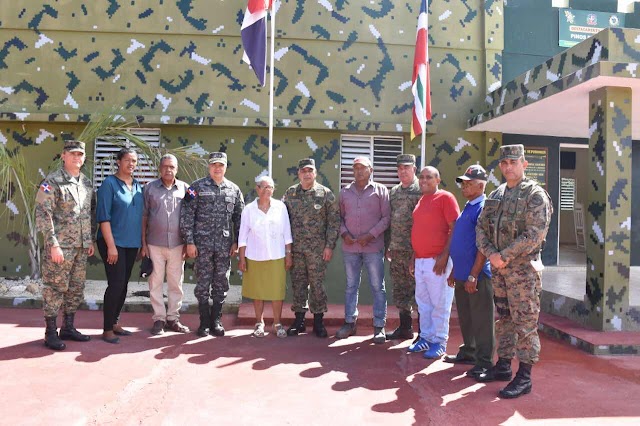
column 307, row 162
column 74, row 146
column 475, row 171
column 406, row 159
column 512, row 152
column 365, row 161
column 218, row 157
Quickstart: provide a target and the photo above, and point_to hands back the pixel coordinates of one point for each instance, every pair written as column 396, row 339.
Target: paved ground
column 240, row 380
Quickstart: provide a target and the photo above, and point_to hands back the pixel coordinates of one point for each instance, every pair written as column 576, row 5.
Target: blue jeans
column 374, row 262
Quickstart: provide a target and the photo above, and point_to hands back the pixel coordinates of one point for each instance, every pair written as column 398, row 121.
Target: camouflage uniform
column 65, row 214
column 514, row 223
column 403, row 201
column 210, row 219
column 315, row 224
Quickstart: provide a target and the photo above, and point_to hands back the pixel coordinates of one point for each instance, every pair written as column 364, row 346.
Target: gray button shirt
column 162, row 210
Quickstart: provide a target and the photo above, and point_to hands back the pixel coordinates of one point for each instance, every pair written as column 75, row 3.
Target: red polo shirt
column 431, row 218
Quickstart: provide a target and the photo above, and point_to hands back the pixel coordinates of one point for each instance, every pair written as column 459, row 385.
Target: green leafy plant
column 19, row 191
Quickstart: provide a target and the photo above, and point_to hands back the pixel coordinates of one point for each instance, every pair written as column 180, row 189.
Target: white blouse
column 265, row 234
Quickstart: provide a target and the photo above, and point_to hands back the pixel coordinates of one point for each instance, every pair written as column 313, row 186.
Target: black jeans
column 118, row 276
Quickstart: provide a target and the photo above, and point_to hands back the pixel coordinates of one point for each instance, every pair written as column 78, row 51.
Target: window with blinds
column 104, row 157
column 567, row 194
column 383, row 151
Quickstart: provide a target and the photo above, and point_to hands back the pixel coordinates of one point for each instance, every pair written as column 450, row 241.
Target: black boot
column 318, row 325
column 520, row 385
column 216, row 324
column 205, row 320
column 404, row 331
column 501, row 371
column 298, row 325
column 68, row 331
column 51, row 339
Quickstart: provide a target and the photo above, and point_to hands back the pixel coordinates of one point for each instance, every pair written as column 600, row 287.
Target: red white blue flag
column 254, row 37
column 421, row 88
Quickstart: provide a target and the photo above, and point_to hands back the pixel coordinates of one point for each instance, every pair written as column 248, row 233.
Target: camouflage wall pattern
column 341, row 67
column 608, row 212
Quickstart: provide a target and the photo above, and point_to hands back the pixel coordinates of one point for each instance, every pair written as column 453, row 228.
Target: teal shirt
column 123, row 209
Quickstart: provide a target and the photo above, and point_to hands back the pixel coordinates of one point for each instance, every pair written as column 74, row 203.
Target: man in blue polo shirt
column 471, row 276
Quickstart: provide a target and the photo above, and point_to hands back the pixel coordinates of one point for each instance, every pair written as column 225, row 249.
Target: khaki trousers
column 169, row 261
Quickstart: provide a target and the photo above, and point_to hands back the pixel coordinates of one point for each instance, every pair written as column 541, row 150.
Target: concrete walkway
column 137, row 297
column 240, row 380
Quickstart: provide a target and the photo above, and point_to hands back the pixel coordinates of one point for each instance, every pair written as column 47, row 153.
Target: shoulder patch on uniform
column 536, row 200
column 45, row 187
column 192, row 193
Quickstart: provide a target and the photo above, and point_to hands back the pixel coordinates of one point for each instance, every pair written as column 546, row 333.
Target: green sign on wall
column 578, row 25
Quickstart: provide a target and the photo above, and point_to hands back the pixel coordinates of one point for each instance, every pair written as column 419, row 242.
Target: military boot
column 69, row 332
column 205, row 320
column 520, row 385
column 216, row 315
column 318, row 325
column 501, row 371
column 404, row 331
column 51, row 339
column 298, row 325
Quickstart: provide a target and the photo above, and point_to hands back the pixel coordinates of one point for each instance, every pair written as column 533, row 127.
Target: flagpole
column 423, row 123
column 422, row 147
column 271, row 72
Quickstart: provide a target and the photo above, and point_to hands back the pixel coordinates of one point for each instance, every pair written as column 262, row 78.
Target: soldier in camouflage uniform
column 510, row 233
column 403, row 198
column 315, row 223
column 65, row 214
column 209, row 224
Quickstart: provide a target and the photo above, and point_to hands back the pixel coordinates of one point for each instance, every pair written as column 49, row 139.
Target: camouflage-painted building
column 342, row 68
column 582, row 99
column 342, row 72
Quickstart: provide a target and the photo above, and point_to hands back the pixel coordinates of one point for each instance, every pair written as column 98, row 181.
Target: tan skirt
column 264, row 280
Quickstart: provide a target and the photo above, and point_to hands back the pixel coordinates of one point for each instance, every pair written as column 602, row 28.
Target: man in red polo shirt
column 433, row 219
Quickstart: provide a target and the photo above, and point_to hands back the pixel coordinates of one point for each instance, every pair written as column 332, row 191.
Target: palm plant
column 20, row 193
column 114, row 128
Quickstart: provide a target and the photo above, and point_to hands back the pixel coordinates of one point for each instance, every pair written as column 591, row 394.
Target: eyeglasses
column 266, row 187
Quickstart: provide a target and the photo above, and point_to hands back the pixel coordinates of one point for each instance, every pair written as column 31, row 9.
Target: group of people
column 490, row 251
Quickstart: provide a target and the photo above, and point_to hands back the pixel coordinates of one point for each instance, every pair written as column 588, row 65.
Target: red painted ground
column 240, row 380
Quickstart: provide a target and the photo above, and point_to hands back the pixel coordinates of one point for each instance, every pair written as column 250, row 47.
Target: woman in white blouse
column 265, row 254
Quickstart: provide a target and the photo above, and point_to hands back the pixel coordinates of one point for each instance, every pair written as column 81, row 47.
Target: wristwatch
column 471, row 278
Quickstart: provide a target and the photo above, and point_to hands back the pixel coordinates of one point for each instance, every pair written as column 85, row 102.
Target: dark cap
column 218, row 157
column 74, row 146
column 406, row 159
column 475, row 171
column 307, row 162
column 512, row 152
column 365, row 161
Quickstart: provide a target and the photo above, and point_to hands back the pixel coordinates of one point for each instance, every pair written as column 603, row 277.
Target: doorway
column 571, row 204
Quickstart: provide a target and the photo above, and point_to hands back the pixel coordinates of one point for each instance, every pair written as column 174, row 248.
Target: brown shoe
column 176, row 326
column 158, row 327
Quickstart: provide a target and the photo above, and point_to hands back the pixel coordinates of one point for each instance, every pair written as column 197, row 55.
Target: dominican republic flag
column 254, row 37
column 421, row 87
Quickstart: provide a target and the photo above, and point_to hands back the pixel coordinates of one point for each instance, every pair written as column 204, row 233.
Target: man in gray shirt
column 162, row 242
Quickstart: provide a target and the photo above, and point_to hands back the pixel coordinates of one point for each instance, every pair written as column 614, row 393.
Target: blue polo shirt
column 463, row 242
column 123, row 208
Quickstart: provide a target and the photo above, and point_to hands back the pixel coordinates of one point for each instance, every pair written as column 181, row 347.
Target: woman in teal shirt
column 119, row 214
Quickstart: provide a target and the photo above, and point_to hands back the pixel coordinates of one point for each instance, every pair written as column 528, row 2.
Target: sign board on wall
column 578, row 25
column 537, row 168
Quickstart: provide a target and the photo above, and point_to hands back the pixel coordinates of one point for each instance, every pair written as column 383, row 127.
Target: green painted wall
column 531, row 28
